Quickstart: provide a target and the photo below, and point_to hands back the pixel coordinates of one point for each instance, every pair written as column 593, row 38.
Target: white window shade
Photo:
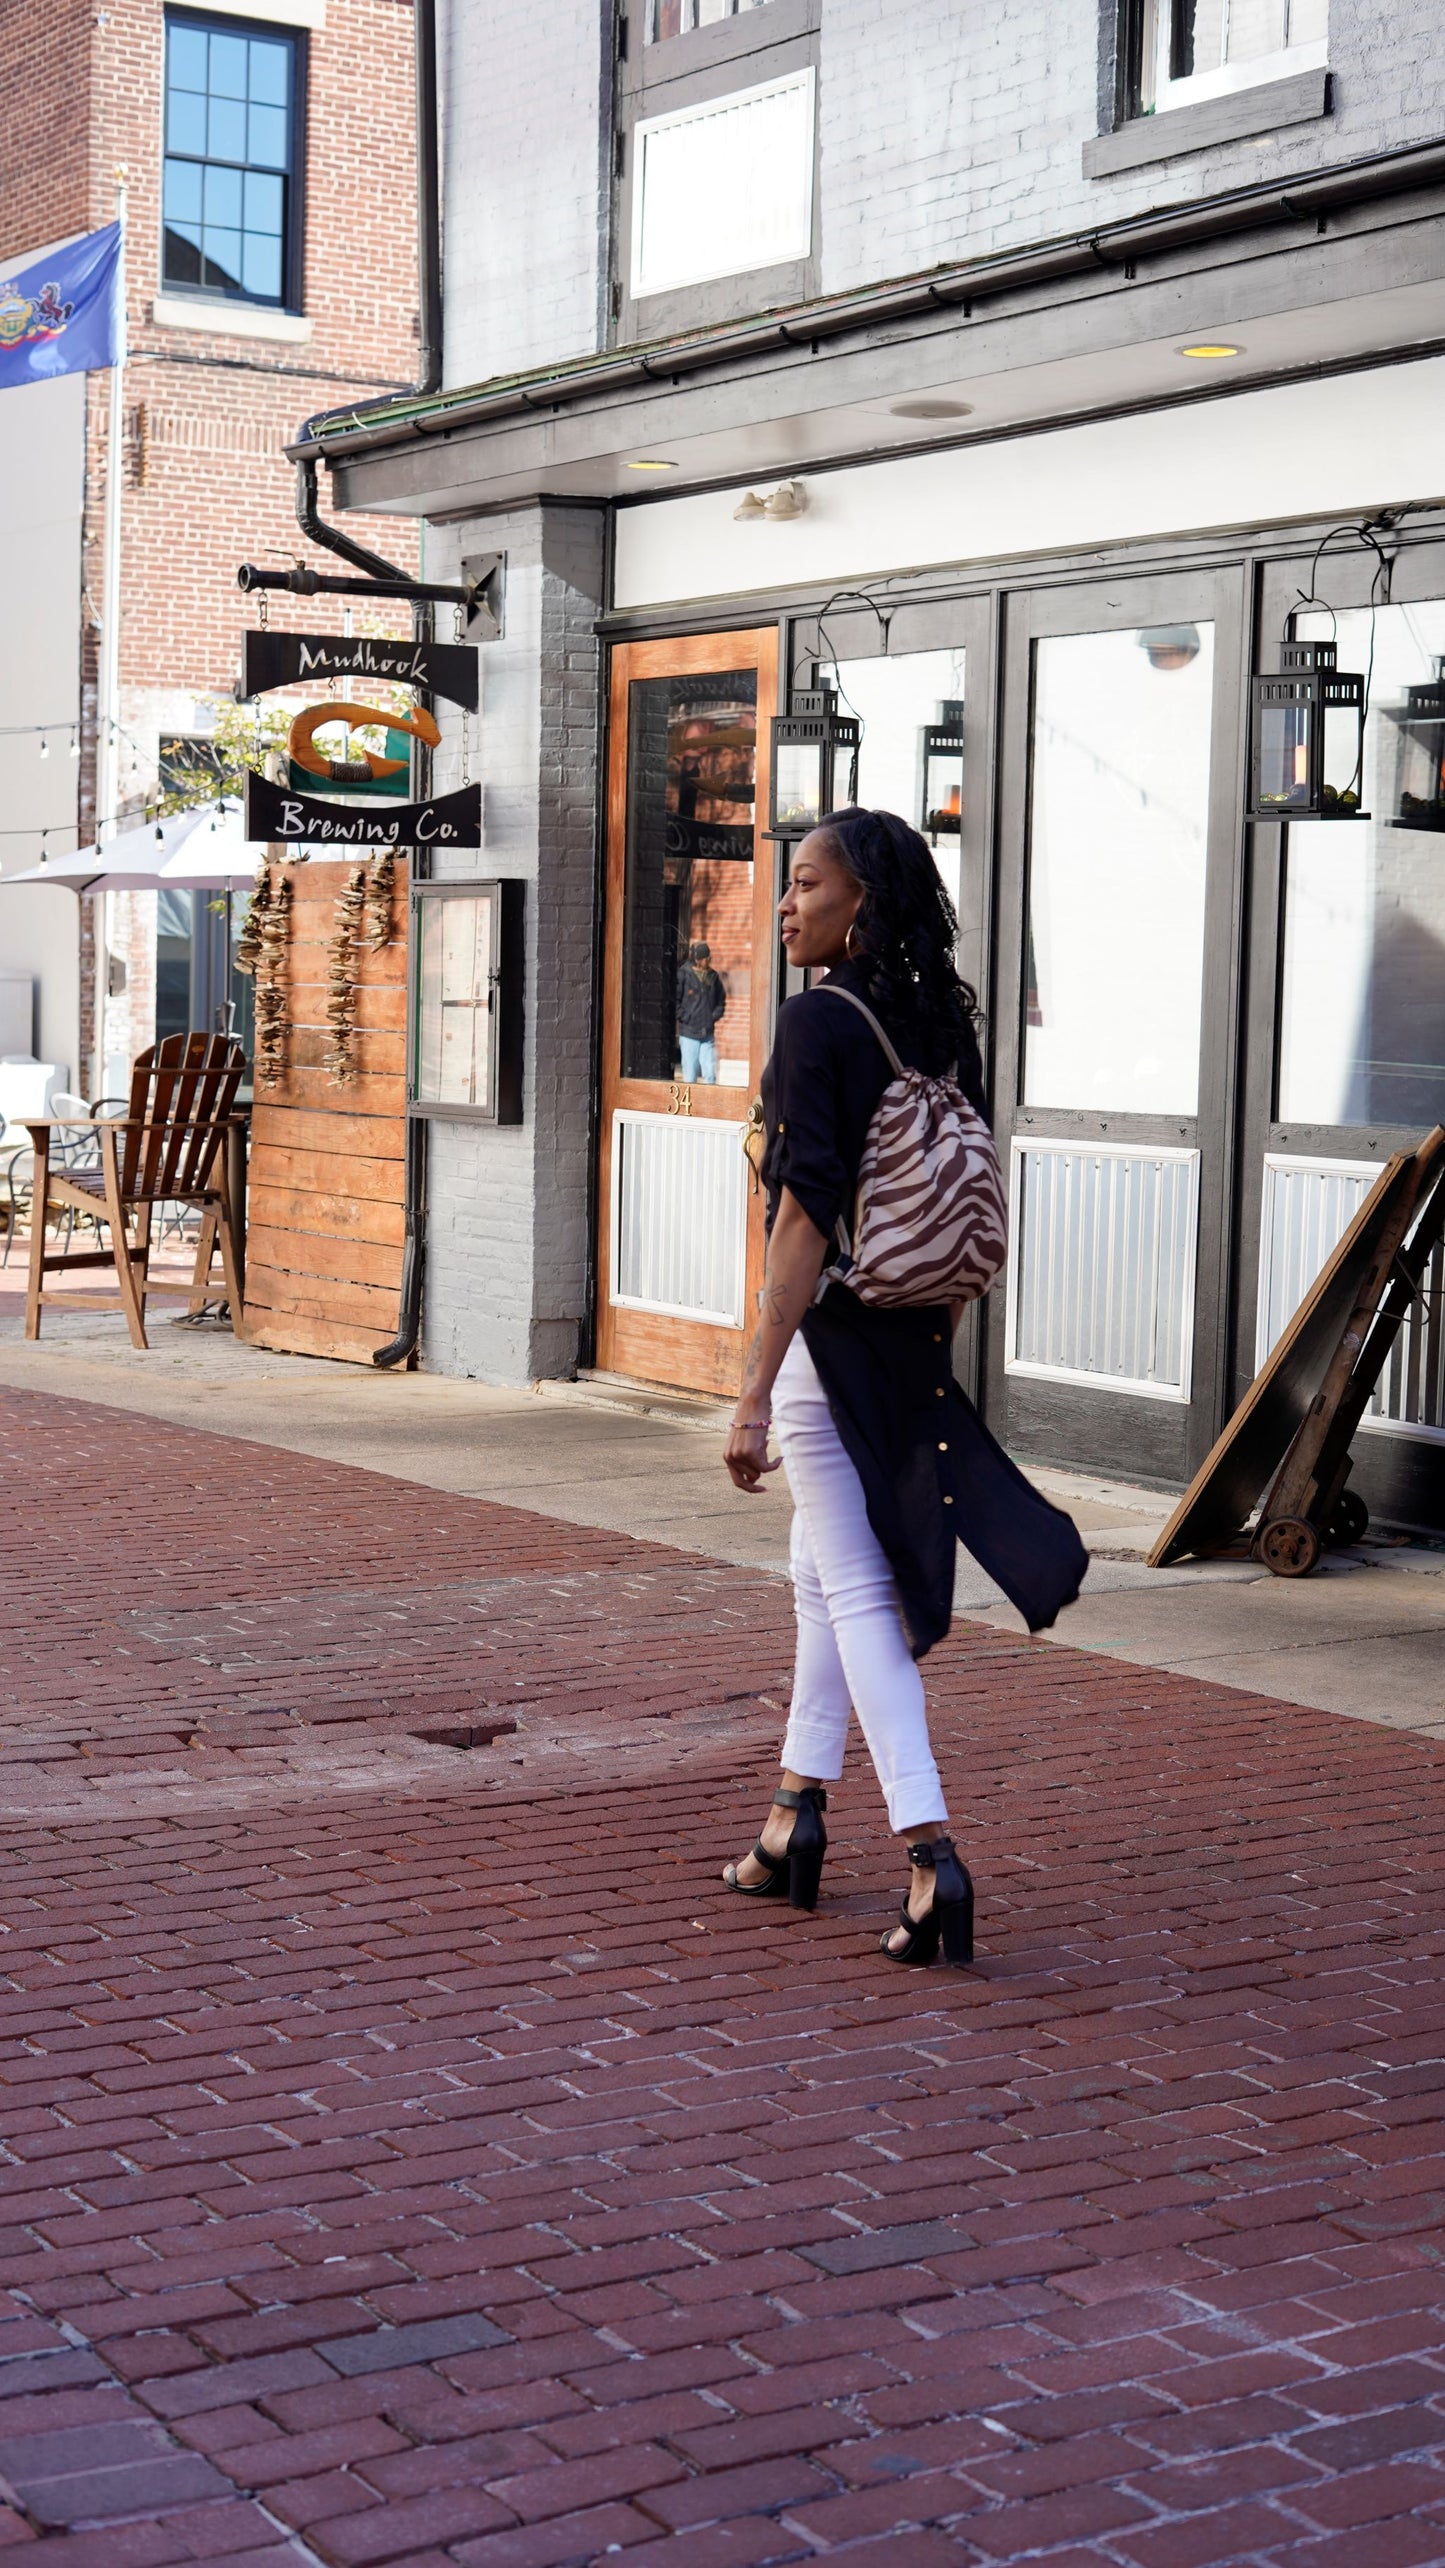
column 725, row 187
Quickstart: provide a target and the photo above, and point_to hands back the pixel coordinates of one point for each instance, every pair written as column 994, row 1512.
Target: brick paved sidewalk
column 413, row 2156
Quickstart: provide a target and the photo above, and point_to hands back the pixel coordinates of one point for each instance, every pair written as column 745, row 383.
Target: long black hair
column 905, row 934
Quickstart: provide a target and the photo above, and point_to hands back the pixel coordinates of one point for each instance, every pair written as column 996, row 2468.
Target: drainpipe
column 428, row 198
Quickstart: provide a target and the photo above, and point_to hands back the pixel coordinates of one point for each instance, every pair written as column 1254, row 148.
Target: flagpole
column 107, row 708
column 107, row 757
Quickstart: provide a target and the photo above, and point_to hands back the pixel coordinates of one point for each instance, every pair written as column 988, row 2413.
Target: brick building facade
column 215, row 386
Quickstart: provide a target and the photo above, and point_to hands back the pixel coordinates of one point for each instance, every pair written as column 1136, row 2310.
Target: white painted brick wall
column 525, row 97
column 507, row 1243
column 948, row 129
column 952, row 128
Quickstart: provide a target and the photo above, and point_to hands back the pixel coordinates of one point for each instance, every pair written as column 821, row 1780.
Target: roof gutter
column 1304, row 201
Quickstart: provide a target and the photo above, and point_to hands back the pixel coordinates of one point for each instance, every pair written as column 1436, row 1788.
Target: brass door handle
column 755, row 1141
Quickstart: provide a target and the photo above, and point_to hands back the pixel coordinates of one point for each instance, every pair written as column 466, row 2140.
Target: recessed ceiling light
column 1211, row 348
column 651, row 464
column 932, row 409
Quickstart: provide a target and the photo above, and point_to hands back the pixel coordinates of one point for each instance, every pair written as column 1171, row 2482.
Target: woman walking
column 887, row 1461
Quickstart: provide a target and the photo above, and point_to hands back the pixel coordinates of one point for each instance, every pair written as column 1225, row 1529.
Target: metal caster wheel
column 1348, row 1518
column 1289, row 1547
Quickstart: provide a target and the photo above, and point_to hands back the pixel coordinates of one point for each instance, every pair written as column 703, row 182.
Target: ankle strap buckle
column 927, row 1851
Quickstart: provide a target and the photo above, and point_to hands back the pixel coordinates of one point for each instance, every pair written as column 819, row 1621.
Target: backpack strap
column 841, row 1232
column 834, row 990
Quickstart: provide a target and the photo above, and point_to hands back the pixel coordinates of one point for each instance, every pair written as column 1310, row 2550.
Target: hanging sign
column 304, row 820
column 283, row 659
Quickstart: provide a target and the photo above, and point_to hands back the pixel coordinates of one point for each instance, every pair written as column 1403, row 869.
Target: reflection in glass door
column 1118, row 831
column 688, row 1000
column 1356, row 1063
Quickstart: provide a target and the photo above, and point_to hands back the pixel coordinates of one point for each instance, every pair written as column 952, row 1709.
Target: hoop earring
column 849, row 948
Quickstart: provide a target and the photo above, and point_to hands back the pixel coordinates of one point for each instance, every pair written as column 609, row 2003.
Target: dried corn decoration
column 270, row 969
column 340, row 1060
column 380, row 888
column 248, row 943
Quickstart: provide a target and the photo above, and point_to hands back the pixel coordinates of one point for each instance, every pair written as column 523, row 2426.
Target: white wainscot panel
column 1308, row 1206
column 679, row 1217
column 1101, row 1265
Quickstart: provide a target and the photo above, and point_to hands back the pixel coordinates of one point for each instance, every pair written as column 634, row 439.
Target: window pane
column 263, row 203
column 223, row 259
column 226, row 132
column 454, row 1002
column 186, row 57
column 268, row 137
column 1362, row 1033
column 261, row 270
column 228, row 67
column 223, row 197
column 895, row 700
column 183, row 254
column 691, row 765
column 724, row 186
column 185, row 123
column 183, row 192
column 270, row 72
column 1116, row 869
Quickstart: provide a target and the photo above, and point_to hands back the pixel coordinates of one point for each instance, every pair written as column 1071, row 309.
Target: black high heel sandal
column 793, row 1875
column 950, row 1919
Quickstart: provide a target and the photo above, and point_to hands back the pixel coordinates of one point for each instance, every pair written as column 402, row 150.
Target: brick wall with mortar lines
column 207, row 412
column 526, row 98
column 507, row 1234
column 946, row 134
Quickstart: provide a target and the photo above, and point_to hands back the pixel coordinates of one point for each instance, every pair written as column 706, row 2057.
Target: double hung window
column 1191, row 50
column 664, row 18
column 231, row 159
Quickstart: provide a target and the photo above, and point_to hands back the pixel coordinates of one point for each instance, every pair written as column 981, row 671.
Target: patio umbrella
column 201, row 849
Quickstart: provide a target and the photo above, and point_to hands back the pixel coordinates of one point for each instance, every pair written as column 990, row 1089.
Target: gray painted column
column 508, row 1246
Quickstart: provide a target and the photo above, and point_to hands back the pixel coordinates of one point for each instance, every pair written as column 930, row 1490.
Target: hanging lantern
column 1307, row 738
column 806, row 743
column 1420, row 755
column 943, row 773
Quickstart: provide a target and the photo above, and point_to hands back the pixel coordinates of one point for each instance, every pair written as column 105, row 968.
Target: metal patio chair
column 169, row 1148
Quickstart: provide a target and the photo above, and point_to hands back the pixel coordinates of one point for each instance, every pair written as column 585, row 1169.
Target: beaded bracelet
column 746, row 1426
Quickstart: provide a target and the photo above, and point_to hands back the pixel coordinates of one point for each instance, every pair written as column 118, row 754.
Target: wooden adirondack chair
column 169, row 1149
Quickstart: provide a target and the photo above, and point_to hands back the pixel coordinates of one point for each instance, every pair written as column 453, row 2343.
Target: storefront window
column 1362, row 1029
column 1117, row 850
column 688, row 936
column 898, row 701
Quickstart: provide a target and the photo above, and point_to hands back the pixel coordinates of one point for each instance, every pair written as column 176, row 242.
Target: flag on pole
column 64, row 313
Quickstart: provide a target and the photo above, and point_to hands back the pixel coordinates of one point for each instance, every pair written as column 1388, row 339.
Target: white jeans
column 852, row 1649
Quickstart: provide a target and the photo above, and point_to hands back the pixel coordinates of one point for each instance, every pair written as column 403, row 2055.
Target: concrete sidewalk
column 1365, row 1636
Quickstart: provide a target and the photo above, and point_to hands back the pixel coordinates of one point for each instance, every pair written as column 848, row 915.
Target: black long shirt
column 931, row 1472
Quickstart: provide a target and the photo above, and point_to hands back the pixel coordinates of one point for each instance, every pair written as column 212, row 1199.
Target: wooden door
column 680, row 1226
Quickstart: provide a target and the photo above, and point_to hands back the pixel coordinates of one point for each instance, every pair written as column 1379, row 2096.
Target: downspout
column 428, row 198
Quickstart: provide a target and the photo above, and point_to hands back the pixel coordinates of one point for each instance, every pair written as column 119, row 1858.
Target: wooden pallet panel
column 325, row 1210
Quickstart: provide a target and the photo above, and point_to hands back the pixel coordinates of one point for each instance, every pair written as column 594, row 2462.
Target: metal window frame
column 294, row 177
column 508, row 895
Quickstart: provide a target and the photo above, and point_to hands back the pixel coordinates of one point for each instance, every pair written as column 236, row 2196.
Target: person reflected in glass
column 701, row 1001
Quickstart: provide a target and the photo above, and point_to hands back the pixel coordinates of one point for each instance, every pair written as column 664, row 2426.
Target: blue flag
column 64, row 313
